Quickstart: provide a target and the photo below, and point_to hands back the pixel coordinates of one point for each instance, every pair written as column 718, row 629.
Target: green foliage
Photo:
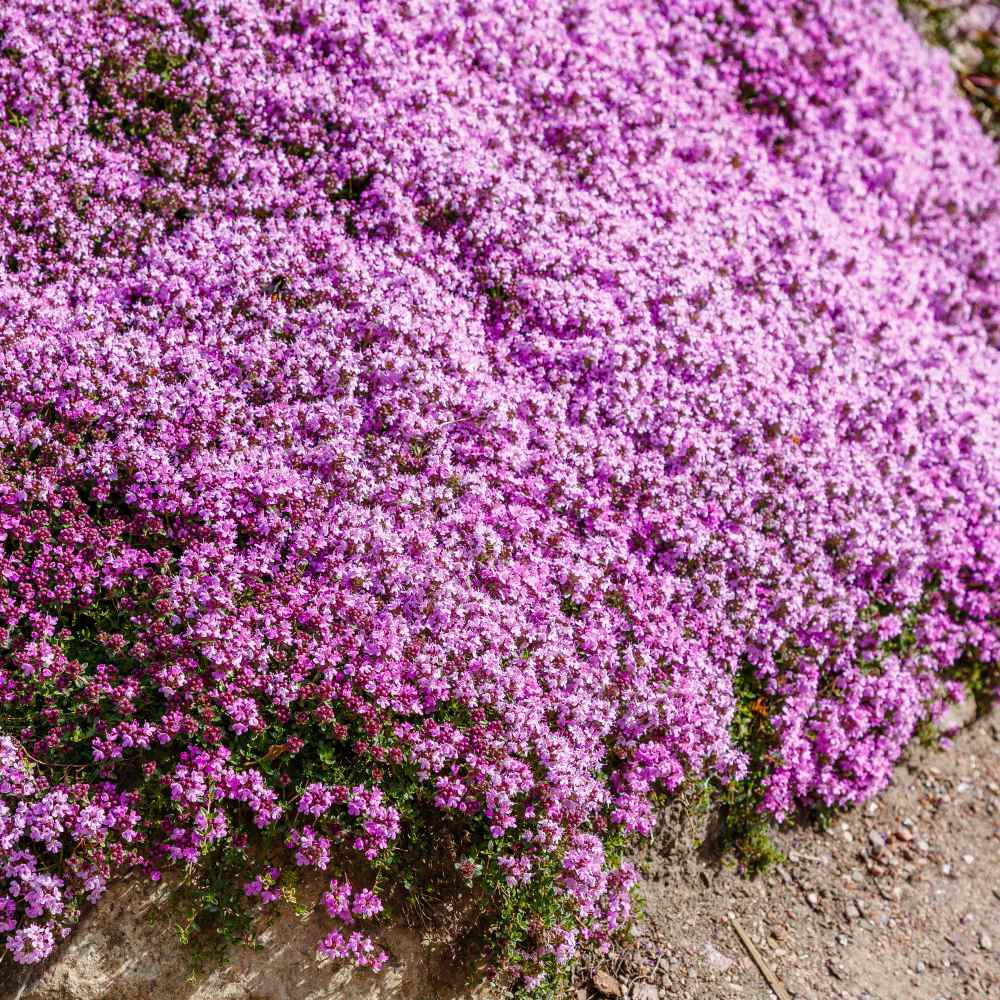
column 980, row 678
column 746, row 831
column 163, row 63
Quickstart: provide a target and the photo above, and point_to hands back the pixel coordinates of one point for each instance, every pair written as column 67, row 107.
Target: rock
column 126, row 948
column 813, row 900
column 581, row 993
column 715, row 958
column 965, row 56
column 606, row 984
column 958, row 715
column 645, row 991
column 985, row 941
column 800, row 992
column 876, row 842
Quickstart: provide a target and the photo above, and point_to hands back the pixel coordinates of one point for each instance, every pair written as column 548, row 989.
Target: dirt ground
column 896, row 900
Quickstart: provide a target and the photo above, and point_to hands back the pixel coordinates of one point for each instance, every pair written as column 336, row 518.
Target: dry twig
column 765, row 970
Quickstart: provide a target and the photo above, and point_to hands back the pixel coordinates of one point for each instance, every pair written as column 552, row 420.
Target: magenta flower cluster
column 480, row 393
column 343, row 904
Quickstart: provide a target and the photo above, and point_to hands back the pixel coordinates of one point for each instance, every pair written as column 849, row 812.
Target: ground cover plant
column 434, row 430
column 970, row 32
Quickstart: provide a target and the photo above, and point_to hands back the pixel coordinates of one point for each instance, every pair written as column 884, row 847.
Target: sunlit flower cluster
column 476, row 400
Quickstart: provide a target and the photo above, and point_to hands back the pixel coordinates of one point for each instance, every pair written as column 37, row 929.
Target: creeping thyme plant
column 428, row 423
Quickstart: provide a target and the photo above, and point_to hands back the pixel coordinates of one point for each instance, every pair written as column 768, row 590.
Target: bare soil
column 896, row 900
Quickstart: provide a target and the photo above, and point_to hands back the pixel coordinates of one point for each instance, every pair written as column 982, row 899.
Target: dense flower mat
column 463, row 417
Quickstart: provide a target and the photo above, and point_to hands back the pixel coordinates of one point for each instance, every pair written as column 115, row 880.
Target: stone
column 606, row 984
column 715, row 958
column 645, row 991
column 985, row 941
column 126, row 948
column 958, row 715
column 964, row 56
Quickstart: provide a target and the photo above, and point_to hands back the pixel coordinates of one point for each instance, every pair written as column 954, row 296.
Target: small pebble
column 837, row 970
column 968, row 858
column 645, row 991
column 985, row 941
